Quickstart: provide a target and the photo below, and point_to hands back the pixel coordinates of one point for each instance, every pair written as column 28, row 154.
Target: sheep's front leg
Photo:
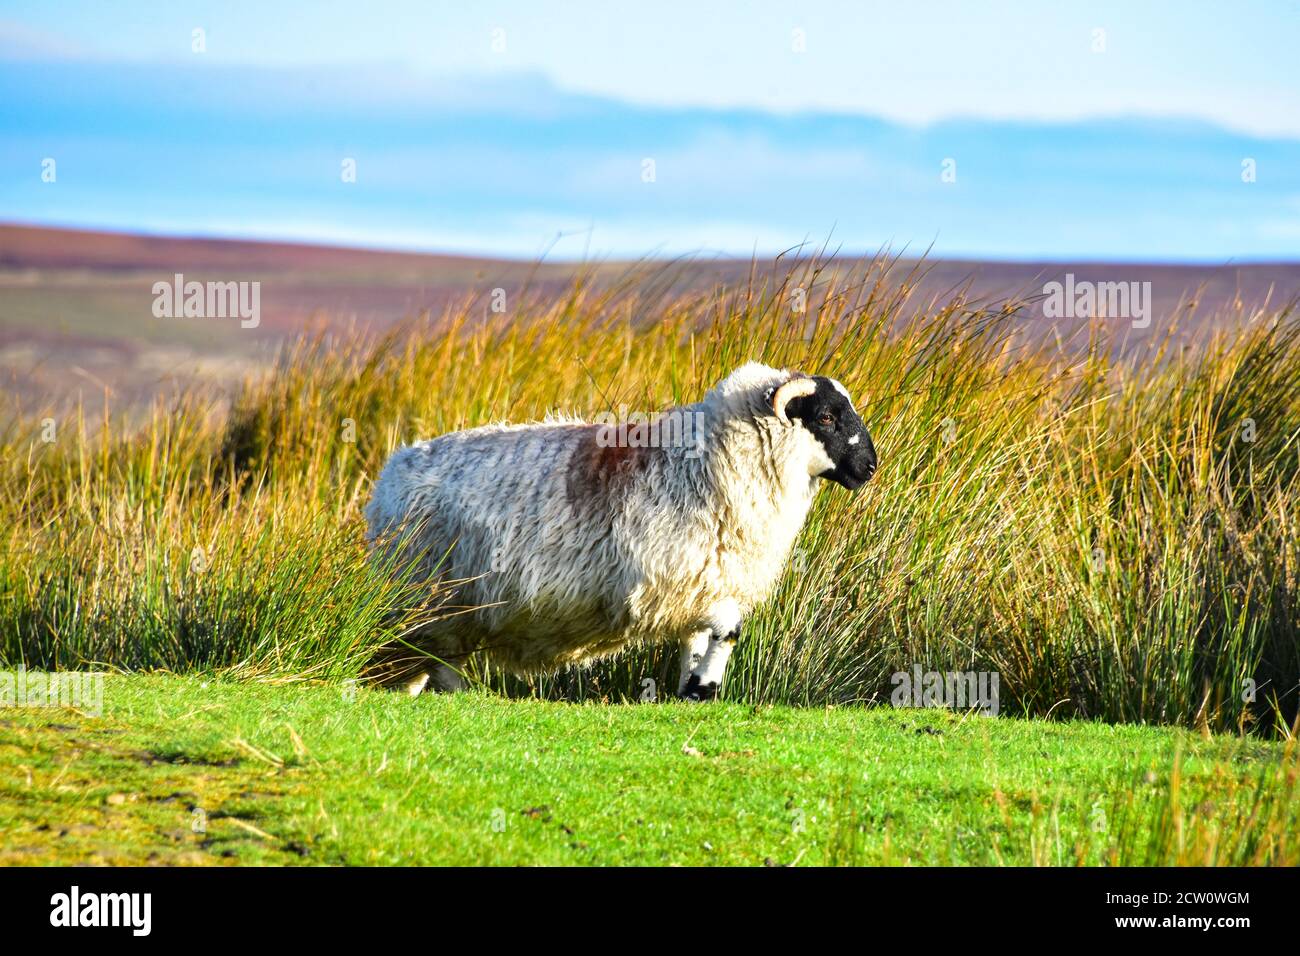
column 706, row 676
column 693, row 650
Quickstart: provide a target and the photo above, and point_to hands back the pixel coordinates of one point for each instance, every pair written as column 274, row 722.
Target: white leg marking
column 714, row 665
column 693, row 651
column 415, row 686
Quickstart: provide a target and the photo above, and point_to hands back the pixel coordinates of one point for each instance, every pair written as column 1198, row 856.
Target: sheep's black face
column 829, row 415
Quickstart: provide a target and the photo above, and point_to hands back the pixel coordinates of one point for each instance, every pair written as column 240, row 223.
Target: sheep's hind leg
column 416, row 685
column 723, row 632
column 447, row 678
column 440, row 678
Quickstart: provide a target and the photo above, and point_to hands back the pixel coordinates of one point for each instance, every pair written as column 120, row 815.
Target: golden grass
column 1117, row 539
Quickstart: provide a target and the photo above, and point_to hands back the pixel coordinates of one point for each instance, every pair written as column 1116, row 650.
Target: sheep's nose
column 871, row 461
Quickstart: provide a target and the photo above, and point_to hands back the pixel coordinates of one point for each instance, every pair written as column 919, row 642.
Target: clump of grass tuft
column 141, row 553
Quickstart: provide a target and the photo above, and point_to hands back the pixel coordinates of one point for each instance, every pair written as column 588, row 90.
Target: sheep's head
column 839, row 446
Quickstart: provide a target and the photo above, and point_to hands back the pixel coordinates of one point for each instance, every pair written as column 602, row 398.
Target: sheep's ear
column 786, row 393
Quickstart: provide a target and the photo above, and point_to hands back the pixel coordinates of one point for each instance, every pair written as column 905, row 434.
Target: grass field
column 182, row 771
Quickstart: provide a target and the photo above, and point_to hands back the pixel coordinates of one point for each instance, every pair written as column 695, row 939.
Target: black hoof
column 694, row 690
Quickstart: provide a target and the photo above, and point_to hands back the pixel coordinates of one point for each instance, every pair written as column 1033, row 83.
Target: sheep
column 565, row 541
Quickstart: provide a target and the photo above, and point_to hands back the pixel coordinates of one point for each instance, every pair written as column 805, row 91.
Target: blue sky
column 1097, row 130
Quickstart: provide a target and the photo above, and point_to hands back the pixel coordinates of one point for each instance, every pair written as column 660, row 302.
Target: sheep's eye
column 825, row 418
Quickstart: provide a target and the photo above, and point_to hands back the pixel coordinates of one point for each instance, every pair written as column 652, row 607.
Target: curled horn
column 793, row 388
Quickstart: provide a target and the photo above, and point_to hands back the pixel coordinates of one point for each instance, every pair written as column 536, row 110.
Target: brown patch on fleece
column 602, row 463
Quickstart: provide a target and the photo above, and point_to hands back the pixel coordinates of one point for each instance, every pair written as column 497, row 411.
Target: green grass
column 335, row 774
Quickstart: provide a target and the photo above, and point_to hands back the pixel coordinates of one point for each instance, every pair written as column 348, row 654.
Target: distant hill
column 76, row 313
column 37, row 247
